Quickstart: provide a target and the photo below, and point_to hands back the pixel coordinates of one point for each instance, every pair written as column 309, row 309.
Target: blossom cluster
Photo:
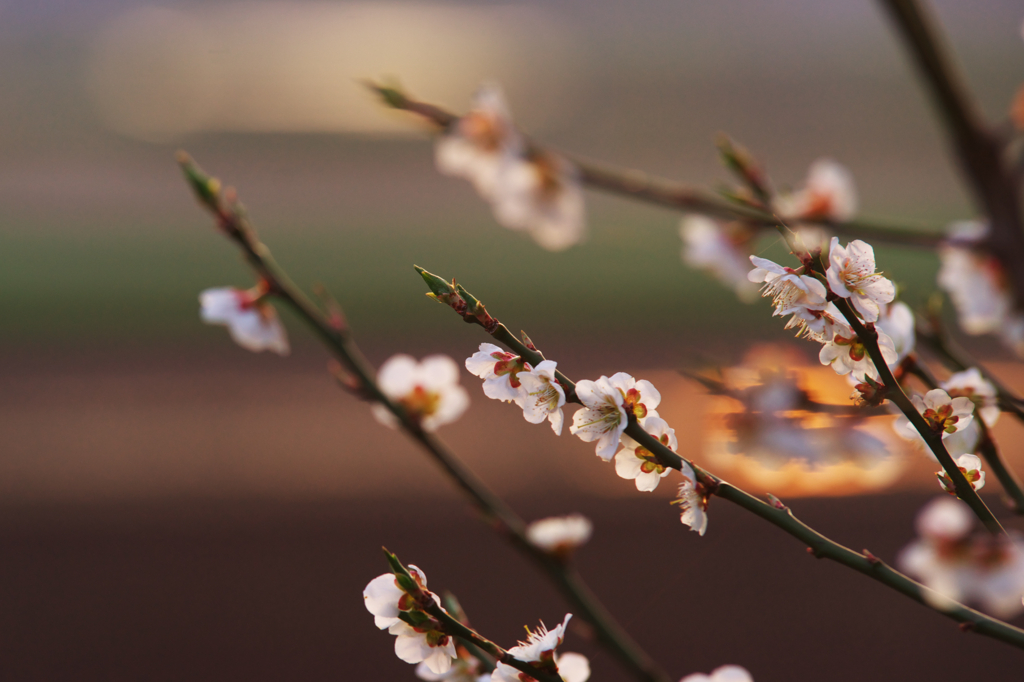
column 956, row 565
column 851, row 275
column 609, row 404
column 804, row 296
column 419, row 638
column 398, row 607
column 722, row 248
column 528, row 189
column 951, row 410
column 978, row 286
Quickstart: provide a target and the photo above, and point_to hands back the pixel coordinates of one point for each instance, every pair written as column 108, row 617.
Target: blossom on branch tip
column 608, row 402
column 828, row 194
column 720, row 249
column 560, row 535
column 542, row 396
column 971, row 384
column 726, row 673
column 692, row 501
column 539, row 651
column 637, row 463
column 543, row 196
column 851, row 274
column 970, row 467
column 393, row 608
column 500, row 371
column 428, row 391
column 987, row 570
column 250, row 319
column 481, row 142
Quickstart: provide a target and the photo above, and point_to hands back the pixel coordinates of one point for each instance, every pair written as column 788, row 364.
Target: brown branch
column 977, row 146
column 233, row 222
column 640, row 186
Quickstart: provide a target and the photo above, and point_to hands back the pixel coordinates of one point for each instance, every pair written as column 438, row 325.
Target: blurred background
column 175, row 507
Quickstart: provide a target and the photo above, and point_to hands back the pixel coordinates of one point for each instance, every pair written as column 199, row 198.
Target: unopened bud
column 207, row 189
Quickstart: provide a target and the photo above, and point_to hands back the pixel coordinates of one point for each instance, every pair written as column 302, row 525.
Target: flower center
column 650, row 463
column 483, row 129
column 857, row 349
column 941, row 419
column 546, row 397
column 819, row 205
column 420, row 402
column 509, row 364
column 631, row 403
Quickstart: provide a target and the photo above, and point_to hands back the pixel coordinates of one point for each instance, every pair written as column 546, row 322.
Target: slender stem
column 782, row 518
column 582, row 600
column 988, row 449
column 872, row 567
column 717, row 387
column 964, row 490
column 634, row 184
column 979, row 150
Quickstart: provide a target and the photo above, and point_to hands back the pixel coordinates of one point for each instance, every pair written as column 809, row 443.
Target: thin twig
column 651, row 189
column 868, row 335
column 609, row 633
column 455, row 628
column 783, row 518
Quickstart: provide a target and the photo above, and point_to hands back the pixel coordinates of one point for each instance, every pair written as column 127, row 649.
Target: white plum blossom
column 428, row 391
column 251, row 320
column 560, row 535
column 974, row 279
column 500, row 371
column 541, row 195
column 425, row 643
column 607, row 404
column 464, row 669
column 828, row 194
column 971, row 384
column 480, row 143
column 964, row 441
column 539, row 650
column 692, row 501
column 943, row 414
column 970, row 467
column 529, row 190
column 847, row 353
column 637, row 463
column 987, row 570
column 792, row 293
column 851, row 274
column 726, row 673
column 978, row 285
column 897, row 321
column 542, row 396
column 719, row 249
